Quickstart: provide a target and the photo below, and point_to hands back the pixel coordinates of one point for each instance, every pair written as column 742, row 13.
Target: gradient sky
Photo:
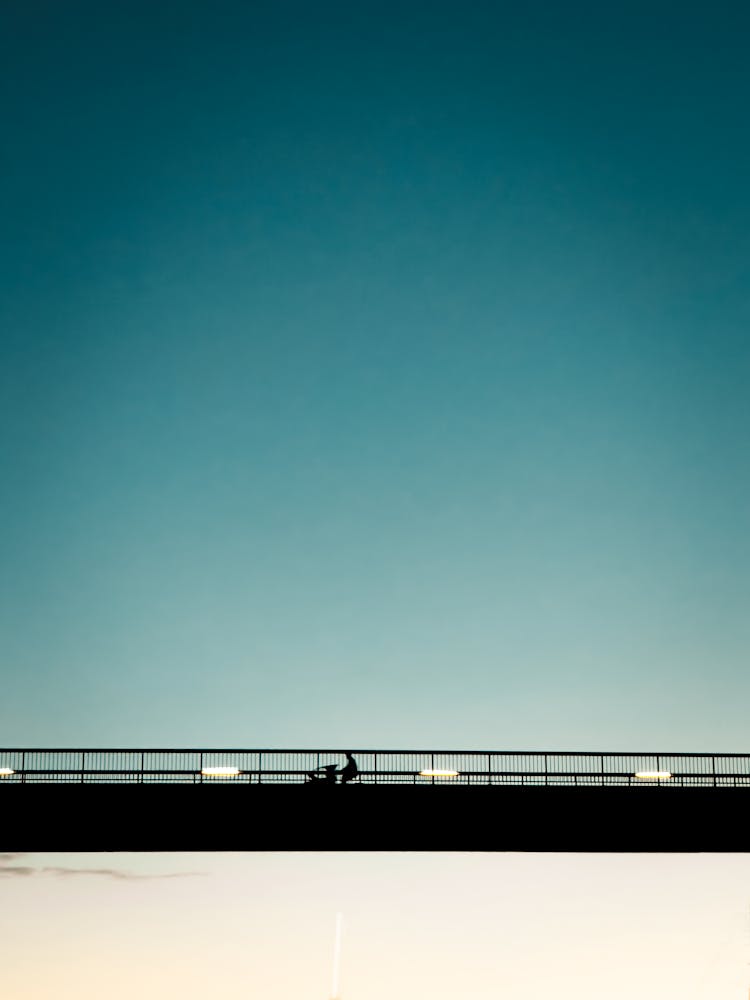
column 375, row 374
column 469, row 926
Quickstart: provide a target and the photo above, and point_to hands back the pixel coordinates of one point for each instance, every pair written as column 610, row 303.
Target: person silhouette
column 349, row 771
column 328, row 776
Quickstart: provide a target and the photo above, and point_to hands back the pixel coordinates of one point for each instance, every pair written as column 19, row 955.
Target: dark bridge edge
column 372, row 818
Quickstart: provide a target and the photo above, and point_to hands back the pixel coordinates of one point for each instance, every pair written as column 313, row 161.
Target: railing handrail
column 372, row 751
column 362, row 773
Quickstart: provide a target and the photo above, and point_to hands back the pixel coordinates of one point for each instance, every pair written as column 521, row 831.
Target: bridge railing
column 411, row 767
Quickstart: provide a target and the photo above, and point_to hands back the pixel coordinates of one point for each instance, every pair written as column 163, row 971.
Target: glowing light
column 653, row 775
column 221, row 772
column 5, row 772
column 437, row 772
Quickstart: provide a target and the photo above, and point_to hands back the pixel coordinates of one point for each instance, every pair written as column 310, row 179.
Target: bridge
column 240, row 799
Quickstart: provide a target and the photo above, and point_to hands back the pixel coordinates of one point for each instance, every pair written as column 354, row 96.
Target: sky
column 475, row 926
column 375, row 375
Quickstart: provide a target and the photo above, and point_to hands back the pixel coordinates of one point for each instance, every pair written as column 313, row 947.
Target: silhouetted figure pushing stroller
column 348, row 772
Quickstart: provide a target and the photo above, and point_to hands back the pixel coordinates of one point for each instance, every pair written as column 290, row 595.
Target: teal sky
column 375, row 375
column 476, row 926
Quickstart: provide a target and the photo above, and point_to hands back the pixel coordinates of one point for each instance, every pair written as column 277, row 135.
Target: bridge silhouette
column 240, row 799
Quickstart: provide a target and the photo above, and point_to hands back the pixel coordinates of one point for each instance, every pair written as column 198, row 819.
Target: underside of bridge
column 217, row 817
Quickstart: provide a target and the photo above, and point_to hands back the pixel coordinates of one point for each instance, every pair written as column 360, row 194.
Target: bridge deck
column 372, row 818
column 85, row 800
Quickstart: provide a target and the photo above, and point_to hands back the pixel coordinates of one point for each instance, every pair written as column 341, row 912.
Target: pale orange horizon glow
column 437, row 926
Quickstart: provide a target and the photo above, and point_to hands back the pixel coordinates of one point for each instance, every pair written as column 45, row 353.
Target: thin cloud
column 114, row 873
column 24, row 871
